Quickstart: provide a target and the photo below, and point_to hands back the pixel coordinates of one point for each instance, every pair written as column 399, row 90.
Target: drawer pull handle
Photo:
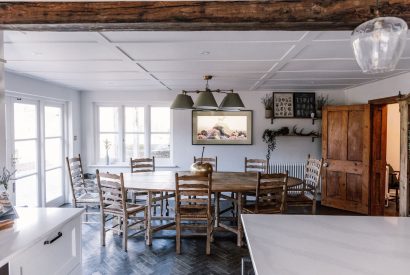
column 59, row 235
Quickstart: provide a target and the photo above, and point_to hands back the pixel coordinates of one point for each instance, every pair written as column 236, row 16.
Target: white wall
column 230, row 157
column 26, row 86
column 2, row 108
column 393, row 136
column 379, row 89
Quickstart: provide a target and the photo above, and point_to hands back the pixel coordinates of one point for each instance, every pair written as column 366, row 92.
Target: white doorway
column 37, row 146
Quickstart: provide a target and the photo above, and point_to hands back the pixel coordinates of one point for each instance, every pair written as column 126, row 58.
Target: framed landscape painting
column 221, row 128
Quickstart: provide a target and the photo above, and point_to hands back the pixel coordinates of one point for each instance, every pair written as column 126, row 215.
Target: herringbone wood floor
column 160, row 258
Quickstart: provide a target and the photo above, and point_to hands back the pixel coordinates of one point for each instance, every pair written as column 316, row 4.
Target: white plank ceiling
column 144, row 61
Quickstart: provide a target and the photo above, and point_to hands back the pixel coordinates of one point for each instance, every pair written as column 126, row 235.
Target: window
column 143, row 130
column 109, row 133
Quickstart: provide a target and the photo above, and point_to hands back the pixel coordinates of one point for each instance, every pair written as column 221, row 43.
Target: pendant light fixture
column 379, row 43
column 206, row 99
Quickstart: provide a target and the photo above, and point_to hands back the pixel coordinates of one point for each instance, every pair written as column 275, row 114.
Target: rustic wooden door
column 346, row 153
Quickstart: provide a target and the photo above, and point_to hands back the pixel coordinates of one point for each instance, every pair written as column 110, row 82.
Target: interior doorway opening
column 392, row 186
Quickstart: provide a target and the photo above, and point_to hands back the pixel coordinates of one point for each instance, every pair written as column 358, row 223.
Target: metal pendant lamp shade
column 182, row 101
column 379, row 43
column 206, row 100
column 232, row 101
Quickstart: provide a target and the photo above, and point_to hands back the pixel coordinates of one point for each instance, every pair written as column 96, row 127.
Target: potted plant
column 267, row 101
column 107, row 146
column 5, row 176
column 269, row 137
column 321, row 101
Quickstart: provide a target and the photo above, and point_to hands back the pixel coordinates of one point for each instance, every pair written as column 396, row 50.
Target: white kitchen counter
column 328, row 245
column 34, row 225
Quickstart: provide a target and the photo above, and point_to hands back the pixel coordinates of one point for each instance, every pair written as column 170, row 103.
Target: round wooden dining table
column 159, row 182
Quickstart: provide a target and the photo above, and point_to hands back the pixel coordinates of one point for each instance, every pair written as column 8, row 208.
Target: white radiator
column 295, row 169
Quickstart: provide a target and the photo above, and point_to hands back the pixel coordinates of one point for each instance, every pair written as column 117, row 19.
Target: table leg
column 240, row 231
column 217, row 209
column 149, row 226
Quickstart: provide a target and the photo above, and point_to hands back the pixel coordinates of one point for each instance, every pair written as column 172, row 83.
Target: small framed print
column 304, row 104
column 283, row 105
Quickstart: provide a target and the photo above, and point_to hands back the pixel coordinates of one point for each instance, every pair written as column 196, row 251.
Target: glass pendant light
column 379, row 43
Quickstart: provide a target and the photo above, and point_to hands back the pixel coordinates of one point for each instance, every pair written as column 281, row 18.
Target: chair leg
column 178, row 234
column 233, row 204
column 208, row 237
column 125, row 233
column 86, row 213
column 162, row 203
column 314, row 207
column 397, row 199
column 146, row 222
column 102, row 231
column 166, row 205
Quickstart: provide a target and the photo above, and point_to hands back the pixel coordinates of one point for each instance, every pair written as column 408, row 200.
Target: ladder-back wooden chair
column 212, row 161
column 84, row 192
column 140, row 165
column 256, row 165
column 193, row 203
column 270, row 195
column 307, row 194
column 113, row 203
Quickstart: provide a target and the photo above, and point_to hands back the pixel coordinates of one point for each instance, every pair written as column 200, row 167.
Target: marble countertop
column 316, row 245
column 31, row 226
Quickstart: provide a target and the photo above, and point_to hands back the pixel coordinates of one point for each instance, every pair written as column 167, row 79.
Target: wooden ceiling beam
column 196, row 15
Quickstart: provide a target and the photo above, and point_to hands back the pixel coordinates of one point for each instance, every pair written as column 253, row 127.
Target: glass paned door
column 53, row 154
column 25, row 159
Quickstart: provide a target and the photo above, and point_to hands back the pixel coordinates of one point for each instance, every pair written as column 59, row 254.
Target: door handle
column 59, row 235
column 325, row 164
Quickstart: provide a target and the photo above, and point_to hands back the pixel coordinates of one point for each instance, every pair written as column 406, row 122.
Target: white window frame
column 121, row 132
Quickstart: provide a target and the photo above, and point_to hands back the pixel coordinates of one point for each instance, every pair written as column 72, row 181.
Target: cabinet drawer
column 57, row 253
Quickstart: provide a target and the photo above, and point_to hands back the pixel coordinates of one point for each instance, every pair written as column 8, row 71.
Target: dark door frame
column 403, row 101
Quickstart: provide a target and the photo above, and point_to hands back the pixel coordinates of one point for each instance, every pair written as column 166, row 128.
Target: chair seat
column 298, row 199
column 131, row 208
column 190, row 212
column 262, row 209
column 88, row 198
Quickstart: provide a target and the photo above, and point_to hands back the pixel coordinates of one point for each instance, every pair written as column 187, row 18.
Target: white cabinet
column 56, row 251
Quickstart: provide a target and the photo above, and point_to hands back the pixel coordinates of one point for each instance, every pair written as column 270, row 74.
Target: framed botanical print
column 304, row 104
column 283, row 105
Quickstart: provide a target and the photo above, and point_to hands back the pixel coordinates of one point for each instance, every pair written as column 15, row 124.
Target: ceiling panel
column 129, row 36
column 321, row 75
column 61, row 51
column 206, row 51
column 72, row 66
column 323, row 65
column 30, row 37
column 216, row 75
column 207, row 66
column 339, row 81
column 332, row 49
column 92, row 76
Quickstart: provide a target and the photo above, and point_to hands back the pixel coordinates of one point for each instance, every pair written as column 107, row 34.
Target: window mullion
column 147, row 130
column 121, row 130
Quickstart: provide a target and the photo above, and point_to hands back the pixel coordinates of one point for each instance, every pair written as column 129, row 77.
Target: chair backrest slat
column 313, row 171
column 256, row 165
column 271, row 192
column 193, row 191
column 76, row 173
column 212, row 161
column 139, row 165
column 112, row 192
